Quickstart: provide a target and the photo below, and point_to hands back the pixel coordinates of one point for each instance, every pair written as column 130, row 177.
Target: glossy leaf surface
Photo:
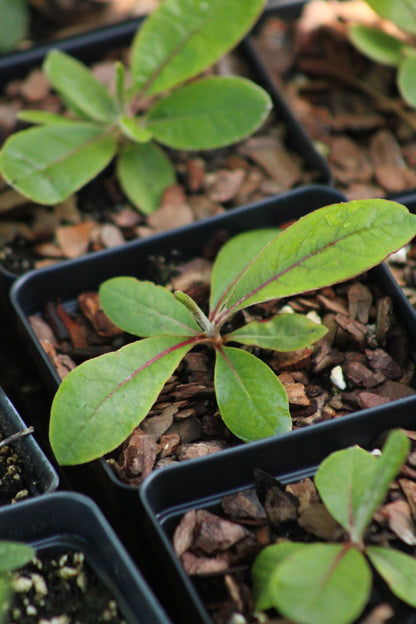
column 376, row 44
column 144, row 309
column 209, row 113
column 77, row 84
column 184, row 37
column 324, row 247
column 75, row 155
column 397, row 569
column 401, row 12
column 100, row 403
column 251, row 398
column 322, row 584
column 283, row 332
column 145, row 172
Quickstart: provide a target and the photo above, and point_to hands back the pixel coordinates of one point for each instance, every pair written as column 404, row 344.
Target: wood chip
column 90, row 305
column 215, row 533
column 75, row 239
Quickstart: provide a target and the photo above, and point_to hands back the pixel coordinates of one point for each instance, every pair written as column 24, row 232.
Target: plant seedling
column 102, row 400
column 13, row 555
column 331, row 583
column 388, row 48
column 181, row 39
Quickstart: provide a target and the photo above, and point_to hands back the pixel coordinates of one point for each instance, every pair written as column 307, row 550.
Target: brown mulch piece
column 355, row 366
column 221, row 571
column 99, row 216
column 350, row 106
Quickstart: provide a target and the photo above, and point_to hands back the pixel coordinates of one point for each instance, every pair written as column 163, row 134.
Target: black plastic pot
column 92, row 46
column 168, row 494
column 289, row 10
column 39, row 475
column 61, row 521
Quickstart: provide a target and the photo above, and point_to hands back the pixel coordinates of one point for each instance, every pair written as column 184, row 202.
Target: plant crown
column 178, row 41
column 102, row 400
column 330, row 583
column 389, row 48
column 13, row 555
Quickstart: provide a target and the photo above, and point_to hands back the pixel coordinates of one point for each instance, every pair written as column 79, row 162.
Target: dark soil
column 365, row 346
column 349, row 105
column 61, row 588
column 218, row 545
column 13, row 483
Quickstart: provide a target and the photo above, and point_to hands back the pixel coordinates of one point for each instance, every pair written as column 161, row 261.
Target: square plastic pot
column 290, row 10
column 168, row 495
column 92, row 46
column 38, row 473
column 62, row 521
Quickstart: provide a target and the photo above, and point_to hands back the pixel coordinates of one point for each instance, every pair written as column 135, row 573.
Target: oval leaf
column 13, row 555
column 322, row 584
column 401, row 12
column 132, row 129
column 376, row 44
column 342, row 480
column 144, row 309
column 13, row 23
column 209, row 113
column 326, row 246
column 232, row 260
column 283, row 332
column 49, row 163
column 145, row 172
column 252, row 400
column 397, row 569
column 184, row 37
column 406, row 80
column 101, row 401
column 78, row 85
column 263, row 567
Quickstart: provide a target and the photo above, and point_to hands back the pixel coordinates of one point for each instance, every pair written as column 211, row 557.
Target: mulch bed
column 100, row 216
column 349, row 105
column 61, row 589
column 362, row 362
column 218, row 545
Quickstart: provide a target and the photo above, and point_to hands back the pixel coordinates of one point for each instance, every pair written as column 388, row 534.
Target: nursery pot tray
column 168, row 494
column 319, row 80
column 37, row 475
column 90, row 48
column 66, row 521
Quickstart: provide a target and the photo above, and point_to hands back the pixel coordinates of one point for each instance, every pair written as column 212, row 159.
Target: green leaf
column 401, row 12
column 132, row 129
column 78, row 85
column 102, row 400
column 43, row 117
column 342, row 480
column 13, row 555
column 324, row 247
column 49, row 163
column 209, row 113
column 264, row 565
column 376, row 44
column 406, row 79
column 144, row 309
column 5, row 595
column 145, row 172
column 252, row 400
column 283, row 332
column 322, row 584
column 397, row 569
column 183, row 37
column 232, row 260
column 14, row 20
column 394, row 454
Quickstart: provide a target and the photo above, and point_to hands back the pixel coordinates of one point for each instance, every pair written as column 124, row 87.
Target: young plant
column 181, row 39
column 101, row 401
column 13, row 555
column 387, row 48
column 330, row 583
